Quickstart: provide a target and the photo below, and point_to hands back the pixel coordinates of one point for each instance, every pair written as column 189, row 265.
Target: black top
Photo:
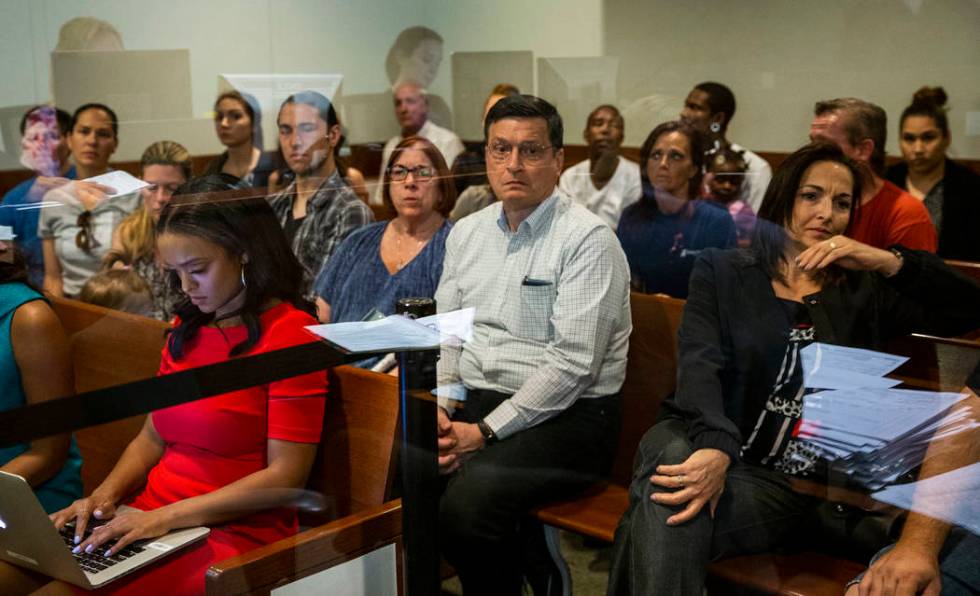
column 960, row 213
column 291, row 226
column 258, row 178
column 773, row 442
column 734, row 332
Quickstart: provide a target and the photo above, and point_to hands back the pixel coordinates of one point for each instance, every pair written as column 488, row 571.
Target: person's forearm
column 53, row 286
column 131, row 470
column 553, row 387
column 947, row 299
column 41, row 461
column 264, row 489
column 52, row 269
column 943, row 455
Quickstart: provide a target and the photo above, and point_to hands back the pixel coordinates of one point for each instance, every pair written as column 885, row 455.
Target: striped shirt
column 552, row 319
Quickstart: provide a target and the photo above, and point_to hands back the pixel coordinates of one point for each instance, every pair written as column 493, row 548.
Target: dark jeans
column 758, row 512
column 485, row 503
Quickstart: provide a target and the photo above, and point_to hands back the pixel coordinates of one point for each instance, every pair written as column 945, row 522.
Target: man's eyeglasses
column 530, row 153
column 85, row 239
column 400, row 173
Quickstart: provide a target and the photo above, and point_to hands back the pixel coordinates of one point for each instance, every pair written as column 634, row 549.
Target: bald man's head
column 411, row 107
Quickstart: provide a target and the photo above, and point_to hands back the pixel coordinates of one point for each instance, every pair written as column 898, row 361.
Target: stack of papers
column 862, row 426
column 397, row 333
column 875, row 436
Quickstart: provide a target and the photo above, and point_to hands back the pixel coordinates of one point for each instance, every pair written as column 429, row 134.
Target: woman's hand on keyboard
column 126, row 528
column 95, row 505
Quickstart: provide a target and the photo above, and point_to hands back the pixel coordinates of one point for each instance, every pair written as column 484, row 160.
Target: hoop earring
column 715, row 127
column 244, row 285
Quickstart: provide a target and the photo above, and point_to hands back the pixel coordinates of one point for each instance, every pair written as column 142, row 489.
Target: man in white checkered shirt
column 542, row 373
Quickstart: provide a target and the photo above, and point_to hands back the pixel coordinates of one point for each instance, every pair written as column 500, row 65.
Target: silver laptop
column 28, row 539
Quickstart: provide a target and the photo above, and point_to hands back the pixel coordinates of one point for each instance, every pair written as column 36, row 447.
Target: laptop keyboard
column 96, row 560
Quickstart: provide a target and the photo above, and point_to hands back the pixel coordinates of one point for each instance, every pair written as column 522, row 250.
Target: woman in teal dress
column 35, row 366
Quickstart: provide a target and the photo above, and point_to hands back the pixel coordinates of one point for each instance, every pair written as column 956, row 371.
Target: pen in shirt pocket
column 528, row 281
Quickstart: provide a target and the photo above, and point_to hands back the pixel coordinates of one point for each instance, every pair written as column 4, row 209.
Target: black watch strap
column 489, row 437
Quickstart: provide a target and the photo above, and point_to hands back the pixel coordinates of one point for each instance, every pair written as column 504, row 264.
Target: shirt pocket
column 537, row 306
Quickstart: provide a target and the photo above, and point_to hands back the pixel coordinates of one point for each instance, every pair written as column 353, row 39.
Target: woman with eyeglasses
column 383, row 262
column 664, row 232
column 165, row 165
column 77, row 223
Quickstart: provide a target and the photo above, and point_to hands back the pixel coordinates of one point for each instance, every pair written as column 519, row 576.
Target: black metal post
column 419, row 463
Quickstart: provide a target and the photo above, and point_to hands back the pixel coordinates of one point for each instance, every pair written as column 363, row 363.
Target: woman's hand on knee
column 80, row 511
column 698, row 481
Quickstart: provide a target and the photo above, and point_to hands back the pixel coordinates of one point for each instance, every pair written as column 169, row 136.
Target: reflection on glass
column 665, row 231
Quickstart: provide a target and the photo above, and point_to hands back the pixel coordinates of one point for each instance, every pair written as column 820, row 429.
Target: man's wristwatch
column 489, row 437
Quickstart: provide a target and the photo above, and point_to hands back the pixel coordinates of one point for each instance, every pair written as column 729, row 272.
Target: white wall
column 778, row 55
column 286, row 36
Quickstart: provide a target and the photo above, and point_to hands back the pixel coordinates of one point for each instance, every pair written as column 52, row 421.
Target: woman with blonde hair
column 165, row 165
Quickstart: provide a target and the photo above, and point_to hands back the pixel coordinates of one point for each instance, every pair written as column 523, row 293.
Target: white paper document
column 397, row 332
column 122, row 182
column 452, row 326
column 951, row 497
column 840, row 379
column 866, row 362
column 826, row 366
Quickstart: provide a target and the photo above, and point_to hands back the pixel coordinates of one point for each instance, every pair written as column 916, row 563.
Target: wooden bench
column 275, row 565
column 354, row 468
column 651, row 377
column 967, row 268
column 108, row 348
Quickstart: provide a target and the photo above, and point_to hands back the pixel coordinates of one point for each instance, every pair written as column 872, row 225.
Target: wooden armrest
column 290, row 559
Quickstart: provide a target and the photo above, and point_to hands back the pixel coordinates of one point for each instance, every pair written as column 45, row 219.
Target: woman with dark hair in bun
column 947, row 188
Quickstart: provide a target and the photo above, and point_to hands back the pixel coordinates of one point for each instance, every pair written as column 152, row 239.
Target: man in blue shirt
column 549, row 285
column 20, row 208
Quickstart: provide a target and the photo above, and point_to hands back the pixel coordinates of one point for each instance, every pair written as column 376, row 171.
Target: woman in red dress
column 216, row 462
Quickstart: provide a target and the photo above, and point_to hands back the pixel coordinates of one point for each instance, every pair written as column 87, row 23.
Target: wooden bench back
column 356, row 462
column 651, row 373
column 108, row 348
column 354, row 465
column 967, row 268
column 935, row 363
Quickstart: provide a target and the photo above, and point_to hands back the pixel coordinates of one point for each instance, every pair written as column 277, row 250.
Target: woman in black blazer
column 711, row 479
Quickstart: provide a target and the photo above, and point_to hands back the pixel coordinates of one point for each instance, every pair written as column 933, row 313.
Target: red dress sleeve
column 296, row 404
